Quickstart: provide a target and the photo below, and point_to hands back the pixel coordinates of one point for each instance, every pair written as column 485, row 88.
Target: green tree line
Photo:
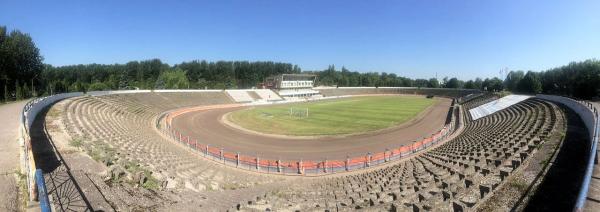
column 154, row 74
column 577, row 79
column 23, row 74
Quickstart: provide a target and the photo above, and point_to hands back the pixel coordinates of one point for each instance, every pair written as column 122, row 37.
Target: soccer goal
column 298, row 112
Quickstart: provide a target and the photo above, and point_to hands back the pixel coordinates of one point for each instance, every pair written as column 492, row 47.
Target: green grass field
column 332, row 117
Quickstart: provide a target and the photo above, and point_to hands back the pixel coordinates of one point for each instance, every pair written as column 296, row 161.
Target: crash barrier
column 300, row 167
column 589, row 116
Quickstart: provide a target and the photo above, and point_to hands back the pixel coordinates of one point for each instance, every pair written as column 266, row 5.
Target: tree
column 530, row 83
column 172, row 79
column 493, row 84
column 6, row 95
column 98, row 86
column 26, row 92
column 421, row 83
column 18, row 91
column 434, row 83
column 77, row 86
column 478, row 83
column 470, row 84
column 453, row 83
column 19, row 60
column 512, row 80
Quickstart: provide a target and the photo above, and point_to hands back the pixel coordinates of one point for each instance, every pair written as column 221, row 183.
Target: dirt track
column 206, row 127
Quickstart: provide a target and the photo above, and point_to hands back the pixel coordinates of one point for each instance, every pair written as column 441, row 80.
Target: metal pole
column 347, row 162
column 221, row 155
column 257, row 163
column 42, row 192
column 279, row 166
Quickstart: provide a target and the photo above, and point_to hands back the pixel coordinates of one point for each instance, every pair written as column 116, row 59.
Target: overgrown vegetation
column 122, row 170
column 518, row 184
column 97, row 150
column 76, row 142
column 143, row 177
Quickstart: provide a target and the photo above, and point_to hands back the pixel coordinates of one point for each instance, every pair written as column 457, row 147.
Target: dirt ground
column 207, row 127
column 9, row 155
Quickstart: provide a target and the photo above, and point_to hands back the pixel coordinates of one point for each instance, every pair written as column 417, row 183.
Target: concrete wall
column 586, row 114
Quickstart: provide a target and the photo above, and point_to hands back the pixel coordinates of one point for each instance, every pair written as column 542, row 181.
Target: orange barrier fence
column 303, row 167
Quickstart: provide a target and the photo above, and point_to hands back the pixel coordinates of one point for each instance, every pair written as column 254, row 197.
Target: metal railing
column 42, row 192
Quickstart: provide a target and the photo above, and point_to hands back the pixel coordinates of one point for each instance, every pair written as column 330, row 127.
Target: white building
column 293, row 85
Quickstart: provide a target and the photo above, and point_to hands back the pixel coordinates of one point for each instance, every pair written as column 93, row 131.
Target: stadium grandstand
column 133, row 139
column 293, row 85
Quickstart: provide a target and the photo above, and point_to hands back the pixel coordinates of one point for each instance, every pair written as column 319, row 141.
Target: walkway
column 9, row 155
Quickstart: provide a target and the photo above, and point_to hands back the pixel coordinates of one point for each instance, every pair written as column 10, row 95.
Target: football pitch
column 332, row 117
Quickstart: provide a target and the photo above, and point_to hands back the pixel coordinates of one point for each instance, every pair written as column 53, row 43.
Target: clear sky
column 416, row 38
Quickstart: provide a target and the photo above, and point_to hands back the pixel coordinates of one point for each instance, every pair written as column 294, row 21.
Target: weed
column 518, row 184
column 76, row 142
column 151, row 183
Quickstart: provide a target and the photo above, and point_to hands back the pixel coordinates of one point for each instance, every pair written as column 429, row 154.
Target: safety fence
column 302, row 167
column 589, row 116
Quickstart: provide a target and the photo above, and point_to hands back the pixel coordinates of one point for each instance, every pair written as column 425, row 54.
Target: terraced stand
column 125, row 123
column 475, row 102
column 455, row 176
column 452, row 93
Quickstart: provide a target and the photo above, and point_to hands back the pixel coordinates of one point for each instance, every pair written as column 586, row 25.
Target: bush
column 98, row 86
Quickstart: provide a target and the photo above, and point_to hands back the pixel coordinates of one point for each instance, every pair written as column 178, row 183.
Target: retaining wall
column 589, row 115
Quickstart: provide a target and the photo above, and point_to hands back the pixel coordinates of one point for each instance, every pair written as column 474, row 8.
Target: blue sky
column 417, row 38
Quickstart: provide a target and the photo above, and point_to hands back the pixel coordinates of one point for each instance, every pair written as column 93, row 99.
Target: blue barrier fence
column 42, row 193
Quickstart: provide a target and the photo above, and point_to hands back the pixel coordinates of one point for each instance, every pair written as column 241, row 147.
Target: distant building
column 292, row 85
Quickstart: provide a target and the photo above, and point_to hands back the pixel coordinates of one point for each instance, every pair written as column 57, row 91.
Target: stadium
column 310, row 149
column 299, row 106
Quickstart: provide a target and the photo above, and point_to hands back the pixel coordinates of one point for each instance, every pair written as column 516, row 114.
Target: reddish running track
column 206, row 126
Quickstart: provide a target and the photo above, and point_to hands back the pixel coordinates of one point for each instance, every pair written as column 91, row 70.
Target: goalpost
column 298, row 112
